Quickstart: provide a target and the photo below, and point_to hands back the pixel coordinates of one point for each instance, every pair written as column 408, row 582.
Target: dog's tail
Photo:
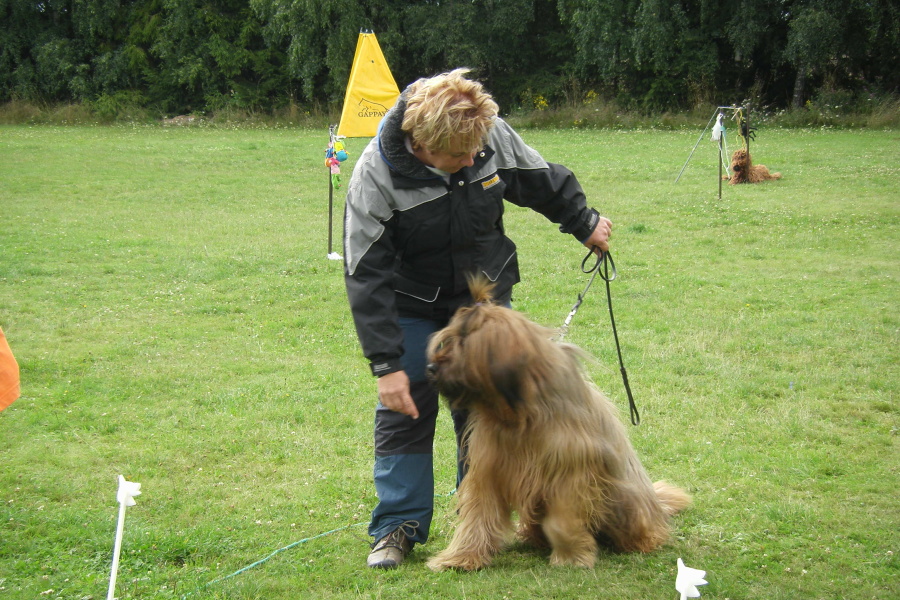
column 673, row 499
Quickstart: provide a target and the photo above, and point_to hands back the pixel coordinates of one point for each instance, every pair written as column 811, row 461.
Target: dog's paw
column 584, row 561
column 532, row 535
column 459, row 562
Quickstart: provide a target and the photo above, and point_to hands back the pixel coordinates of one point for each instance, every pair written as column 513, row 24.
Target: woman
column 424, row 212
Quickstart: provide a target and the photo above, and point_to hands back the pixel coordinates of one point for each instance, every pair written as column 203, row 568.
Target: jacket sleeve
column 368, row 270
column 547, row 188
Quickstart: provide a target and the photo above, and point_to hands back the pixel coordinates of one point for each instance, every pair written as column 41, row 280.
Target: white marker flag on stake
column 125, row 497
column 687, row 580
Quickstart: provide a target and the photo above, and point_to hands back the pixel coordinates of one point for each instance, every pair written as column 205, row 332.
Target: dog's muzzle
column 431, row 369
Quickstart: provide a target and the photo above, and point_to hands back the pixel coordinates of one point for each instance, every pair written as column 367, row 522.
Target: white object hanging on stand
column 718, row 129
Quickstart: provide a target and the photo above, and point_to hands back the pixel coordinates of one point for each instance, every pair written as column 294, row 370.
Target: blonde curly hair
column 448, row 110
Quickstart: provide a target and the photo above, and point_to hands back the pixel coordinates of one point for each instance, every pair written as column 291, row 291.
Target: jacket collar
column 392, row 146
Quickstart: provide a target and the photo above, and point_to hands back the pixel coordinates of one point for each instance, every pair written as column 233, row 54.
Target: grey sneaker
column 389, row 551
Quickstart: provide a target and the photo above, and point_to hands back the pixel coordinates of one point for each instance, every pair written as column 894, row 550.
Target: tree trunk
column 800, row 87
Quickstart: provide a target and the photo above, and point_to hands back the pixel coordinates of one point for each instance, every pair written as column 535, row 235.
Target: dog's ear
column 506, row 375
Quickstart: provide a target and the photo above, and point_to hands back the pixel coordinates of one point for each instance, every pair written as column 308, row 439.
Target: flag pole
column 125, row 496
column 335, row 154
column 117, row 551
column 721, row 158
column 330, row 197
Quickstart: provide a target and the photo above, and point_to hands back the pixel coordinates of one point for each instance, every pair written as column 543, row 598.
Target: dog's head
column 740, row 161
column 489, row 357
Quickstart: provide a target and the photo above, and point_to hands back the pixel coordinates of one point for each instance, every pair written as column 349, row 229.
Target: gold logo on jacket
column 489, row 183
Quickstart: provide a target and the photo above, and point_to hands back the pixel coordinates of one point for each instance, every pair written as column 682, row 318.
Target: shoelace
column 406, row 529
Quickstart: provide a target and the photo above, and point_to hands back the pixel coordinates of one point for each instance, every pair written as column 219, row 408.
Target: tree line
column 181, row 56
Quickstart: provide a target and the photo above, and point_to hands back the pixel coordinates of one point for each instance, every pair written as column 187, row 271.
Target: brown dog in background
column 542, row 442
column 744, row 171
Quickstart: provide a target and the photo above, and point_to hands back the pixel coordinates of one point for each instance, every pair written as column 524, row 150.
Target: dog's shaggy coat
column 744, row 171
column 542, row 442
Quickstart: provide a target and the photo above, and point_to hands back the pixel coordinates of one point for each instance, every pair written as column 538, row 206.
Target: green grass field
column 176, row 320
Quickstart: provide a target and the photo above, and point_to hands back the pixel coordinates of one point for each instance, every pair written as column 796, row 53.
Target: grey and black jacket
column 411, row 238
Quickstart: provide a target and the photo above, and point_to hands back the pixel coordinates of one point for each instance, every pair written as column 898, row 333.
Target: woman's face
column 449, row 161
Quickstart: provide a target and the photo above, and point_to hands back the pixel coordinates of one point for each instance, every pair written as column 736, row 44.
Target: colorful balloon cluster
column 334, row 156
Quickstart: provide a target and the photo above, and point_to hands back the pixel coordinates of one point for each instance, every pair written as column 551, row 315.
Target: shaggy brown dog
column 542, row 442
column 744, row 171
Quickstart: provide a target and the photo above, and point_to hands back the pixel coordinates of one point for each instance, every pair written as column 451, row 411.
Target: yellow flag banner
column 370, row 92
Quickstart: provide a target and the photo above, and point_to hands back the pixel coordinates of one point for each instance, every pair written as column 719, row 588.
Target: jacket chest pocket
column 485, row 203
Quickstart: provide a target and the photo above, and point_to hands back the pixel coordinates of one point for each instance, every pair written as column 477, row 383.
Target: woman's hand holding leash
column 599, row 238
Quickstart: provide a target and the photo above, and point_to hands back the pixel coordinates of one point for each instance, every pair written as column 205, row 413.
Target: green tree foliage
column 813, row 44
column 211, row 55
column 840, row 44
column 205, row 55
column 37, row 55
column 519, row 46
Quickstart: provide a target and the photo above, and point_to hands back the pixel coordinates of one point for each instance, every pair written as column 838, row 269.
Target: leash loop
column 603, row 258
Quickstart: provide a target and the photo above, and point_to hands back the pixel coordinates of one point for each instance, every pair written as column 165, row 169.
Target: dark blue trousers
column 404, row 467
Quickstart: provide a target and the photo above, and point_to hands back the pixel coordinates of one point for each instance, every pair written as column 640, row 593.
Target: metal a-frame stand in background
column 741, row 114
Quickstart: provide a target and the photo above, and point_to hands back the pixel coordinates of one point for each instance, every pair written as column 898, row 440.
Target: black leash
column 604, row 260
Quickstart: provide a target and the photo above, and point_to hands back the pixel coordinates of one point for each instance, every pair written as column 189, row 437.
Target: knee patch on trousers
column 396, row 433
